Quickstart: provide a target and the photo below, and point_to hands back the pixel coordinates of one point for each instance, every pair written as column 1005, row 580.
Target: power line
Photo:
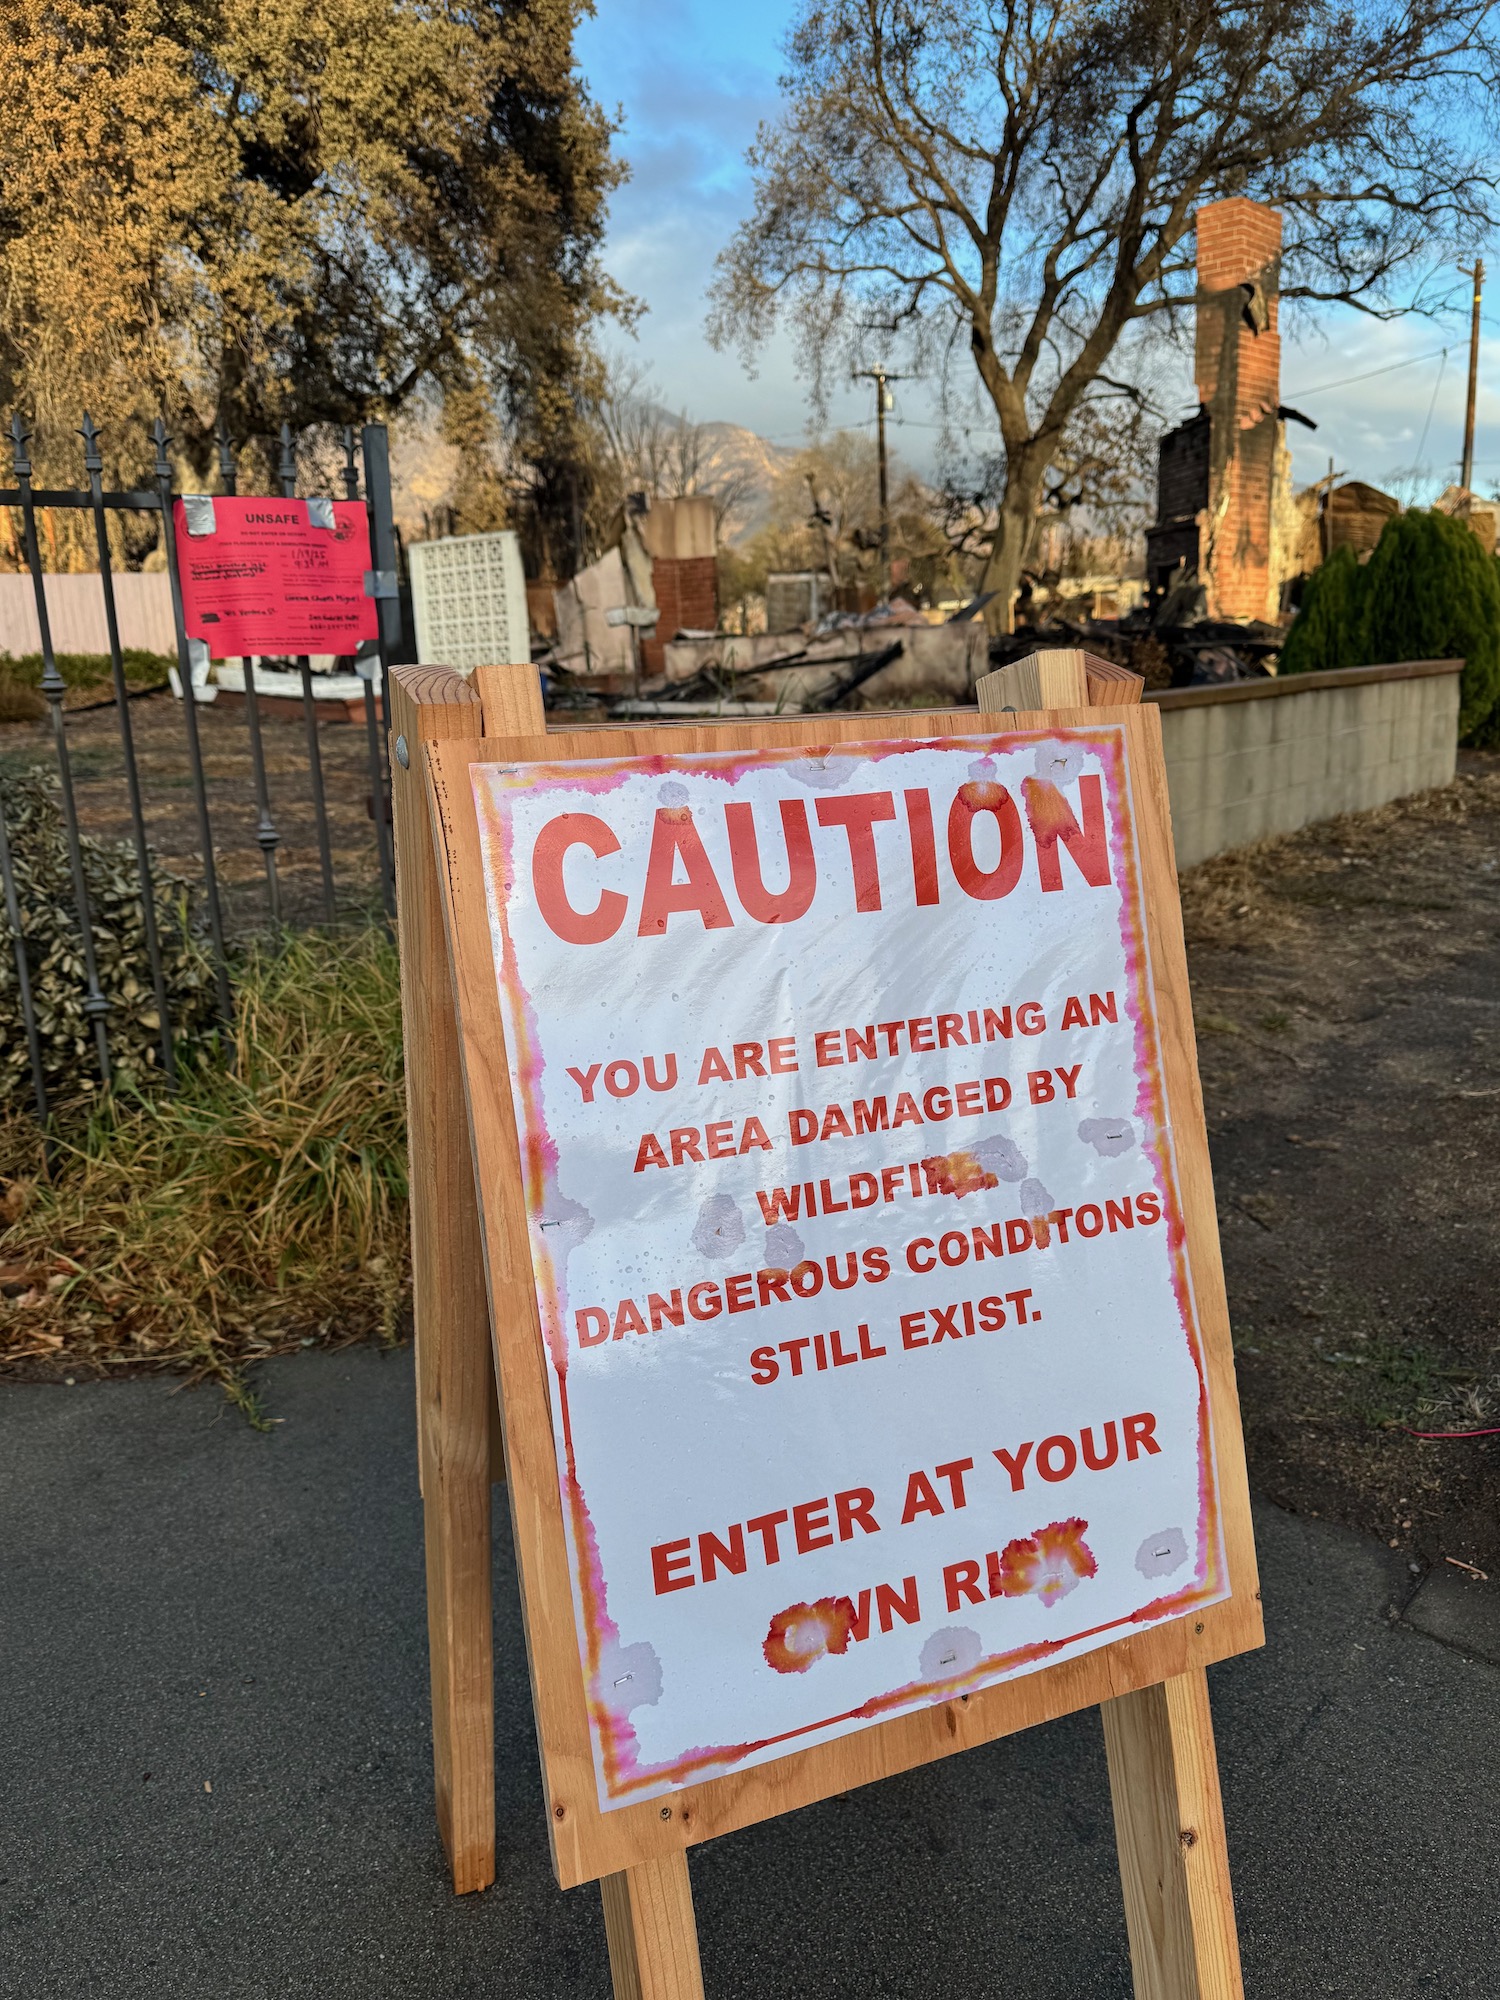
column 1442, row 369
column 1318, row 389
column 807, row 434
column 1345, row 381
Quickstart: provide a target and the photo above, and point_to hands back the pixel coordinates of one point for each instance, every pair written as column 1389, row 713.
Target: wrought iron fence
column 371, row 454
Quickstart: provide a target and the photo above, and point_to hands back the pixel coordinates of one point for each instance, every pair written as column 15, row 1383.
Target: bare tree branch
column 1020, row 178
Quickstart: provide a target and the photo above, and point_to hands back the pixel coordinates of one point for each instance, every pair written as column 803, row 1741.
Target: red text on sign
column 679, row 877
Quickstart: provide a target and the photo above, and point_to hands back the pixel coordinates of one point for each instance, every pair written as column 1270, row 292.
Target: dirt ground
column 171, row 819
column 1346, row 986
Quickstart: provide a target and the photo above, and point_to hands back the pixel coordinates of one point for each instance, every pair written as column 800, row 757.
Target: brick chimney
column 681, row 540
column 1238, row 364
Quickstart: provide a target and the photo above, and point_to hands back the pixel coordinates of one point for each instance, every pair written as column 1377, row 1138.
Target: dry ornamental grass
column 261, row 1205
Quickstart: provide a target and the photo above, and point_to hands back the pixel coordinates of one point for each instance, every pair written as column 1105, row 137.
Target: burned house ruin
column 1224, row 477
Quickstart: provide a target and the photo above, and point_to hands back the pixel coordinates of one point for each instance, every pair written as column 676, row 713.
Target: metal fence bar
column 163, row 471
column 266, row 836
column 23, row 970
column 375, row 451
column 54, row 687
column 377, row 762
column 94, row 465
column 288, row 472
column 46, row 496
column 99, row 501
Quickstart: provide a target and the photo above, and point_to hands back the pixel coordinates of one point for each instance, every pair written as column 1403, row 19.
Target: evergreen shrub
column 54, row 955
column 1429, row 592
column 1328, row 628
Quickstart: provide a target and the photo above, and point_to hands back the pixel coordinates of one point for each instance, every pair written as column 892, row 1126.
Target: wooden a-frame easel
column 1158, row 1735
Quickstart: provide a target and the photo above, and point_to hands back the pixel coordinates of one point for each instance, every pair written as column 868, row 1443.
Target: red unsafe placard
column 274, row 576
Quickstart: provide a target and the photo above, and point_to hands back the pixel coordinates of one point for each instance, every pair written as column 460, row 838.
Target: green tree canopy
column 299, row 210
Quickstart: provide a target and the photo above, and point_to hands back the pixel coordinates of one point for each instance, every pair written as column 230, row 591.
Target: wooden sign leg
column 1163, row 1776
column 455, row 1393
column 1169, row 1825
column 653, row 1939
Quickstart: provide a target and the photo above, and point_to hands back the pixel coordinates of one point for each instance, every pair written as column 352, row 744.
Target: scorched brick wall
column 1238, row 355
column 687, row 599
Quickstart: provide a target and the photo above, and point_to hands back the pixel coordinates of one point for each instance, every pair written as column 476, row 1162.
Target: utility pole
column 821, row 518
column 1477, row 274
column 884, row 401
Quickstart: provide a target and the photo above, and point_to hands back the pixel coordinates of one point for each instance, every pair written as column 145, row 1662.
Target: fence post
column 379, row 797
column 163, row 471
column 267, row 838
column 95, row 1006
column 93, row 462
column 288, row 473
column 375, row 443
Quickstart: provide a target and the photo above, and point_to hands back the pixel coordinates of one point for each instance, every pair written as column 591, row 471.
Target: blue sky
column 693, row 79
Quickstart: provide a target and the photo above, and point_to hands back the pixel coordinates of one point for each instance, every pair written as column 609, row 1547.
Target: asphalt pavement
column 215, row 1759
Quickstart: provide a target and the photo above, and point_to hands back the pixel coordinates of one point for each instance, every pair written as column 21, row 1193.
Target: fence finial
column 351, row 471
column 288, row 466
column 19, row 437
column 226, row 453
column 93, row 460
column 161, row 439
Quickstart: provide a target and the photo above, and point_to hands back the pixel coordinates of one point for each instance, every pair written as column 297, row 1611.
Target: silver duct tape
column 320, row 514
column 198, row 513
column 381, row 583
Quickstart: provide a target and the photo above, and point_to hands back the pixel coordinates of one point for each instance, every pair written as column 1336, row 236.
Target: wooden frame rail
column 1158, row 1737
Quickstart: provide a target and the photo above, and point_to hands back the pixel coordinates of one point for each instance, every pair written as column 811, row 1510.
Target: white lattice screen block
column 468, row 600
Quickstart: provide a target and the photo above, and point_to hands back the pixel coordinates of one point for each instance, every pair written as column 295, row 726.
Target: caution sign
column 873, row 1361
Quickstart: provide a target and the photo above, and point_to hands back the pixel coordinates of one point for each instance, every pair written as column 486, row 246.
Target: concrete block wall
column 1256, row 758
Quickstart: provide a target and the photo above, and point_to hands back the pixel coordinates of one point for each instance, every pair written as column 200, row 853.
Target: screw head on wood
column 403, row 755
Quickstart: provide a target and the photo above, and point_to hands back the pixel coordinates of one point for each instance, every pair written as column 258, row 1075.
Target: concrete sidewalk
column 186, row 1604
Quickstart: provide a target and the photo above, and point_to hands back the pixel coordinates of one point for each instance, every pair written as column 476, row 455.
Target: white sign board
column 870, row 1339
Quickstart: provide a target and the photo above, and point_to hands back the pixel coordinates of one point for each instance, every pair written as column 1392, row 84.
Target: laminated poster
column 285, row 577
column 870, row 1336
